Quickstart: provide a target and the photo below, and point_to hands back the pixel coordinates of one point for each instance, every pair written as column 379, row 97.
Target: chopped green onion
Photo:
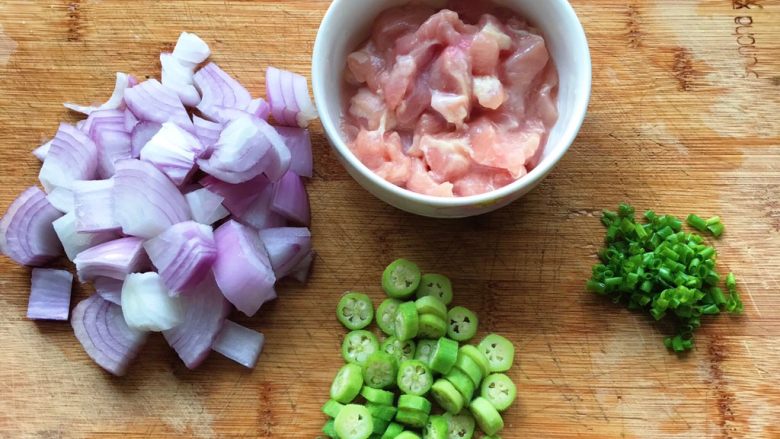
column 716, row 229
column 697, row 223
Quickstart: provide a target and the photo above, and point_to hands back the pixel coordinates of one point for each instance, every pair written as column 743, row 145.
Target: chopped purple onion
column 49, row 294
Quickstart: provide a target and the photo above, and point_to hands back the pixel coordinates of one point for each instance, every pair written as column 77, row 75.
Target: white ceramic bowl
column 347, row 24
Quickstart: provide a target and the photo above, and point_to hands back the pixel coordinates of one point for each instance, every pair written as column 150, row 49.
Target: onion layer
column 291, row 199
column 219, row 90
column 123, row 81
column 242, row 269
column 109, row 289
column 240, row 344
column 286, row 247
column 183, row 255
column 72, row 156
column 173, row 151
column 147, row 305
column 49, row 294
column 76, row 242
column 288, row 94
column 115, row 259
column 101, row 329
column 26, row 232
column 92, row 206
column 153, row 102
column 206, row 206
column 205, row 310
column 298, row 141
column 146, row 202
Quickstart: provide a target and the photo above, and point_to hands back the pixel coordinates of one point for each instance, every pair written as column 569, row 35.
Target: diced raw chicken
column 450, row 105
column 422, row 183
column 371, row 108
column 489, row 91
column 481, row 180
column 448, row 156
column 496, row 148
column 394, row 23
column 453, row 107
column 366, row 65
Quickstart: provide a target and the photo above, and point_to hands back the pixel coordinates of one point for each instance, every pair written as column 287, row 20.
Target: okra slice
column 385, row 315
column 377, row 396
column 347, row 384
column 408, row 435
column 407, row 321
column 462, row 382
column 358, row 345
column 424, row 350
column 401, row 350
column 383, row 412
column 475, row 354
column 435, row 285
column 414, row 403
column 431, row 326
column 393, row 430
column 499, row 390
column 414, row 377
column 380, row 370
column 462, row 324
column 380, row 425
column 447, row 396
column 329, row 429
column 412, row 418
column 435, row 428
column 431, row 305
column 354, row 422
column 499, row 351
column 460, row 426
column 444, row 356
column 487, row 417
column 401, row 278
column 355, row 310
column 468, row 366
column 332, row 408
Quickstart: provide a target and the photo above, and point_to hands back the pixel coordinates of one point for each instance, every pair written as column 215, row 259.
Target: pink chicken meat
column 451, row 103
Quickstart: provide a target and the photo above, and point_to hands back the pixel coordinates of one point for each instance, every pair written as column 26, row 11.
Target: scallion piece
column 697, row 223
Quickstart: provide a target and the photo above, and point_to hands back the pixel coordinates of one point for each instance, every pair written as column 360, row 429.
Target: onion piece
column 146, row 202
column 147, row 304
column 109, row 289
column 286, row 247
column 242, row 269
column 141, row 135
column 101, row 329
column 298, row 141
column 103, row 119
column 259, row 108
column 72, row 156
column 113, row 145
column 123, row 81
column 240, row 154
column 130, row 121
column 207, row 131
column 291, row 200
column 219, row 90
column 75, row 242
column 301, row 271
column 237, row 197
column 153, row 102
column 277, row 162
column 92, row 202
column 206, row 206
column 259, row 214
column 173, row 151
column 115, row 259
column 42, row 151
column 205, row 311
column 178, row 77
column 49, row 294
column 183, row 255
column 62, row 199
column 191, row 50
column 26, row 233
column 240, row 344
column 288, row 94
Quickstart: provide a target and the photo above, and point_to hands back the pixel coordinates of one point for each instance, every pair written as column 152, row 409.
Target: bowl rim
column 574, row 124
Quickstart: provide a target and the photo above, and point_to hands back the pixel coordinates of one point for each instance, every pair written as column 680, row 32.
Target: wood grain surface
column 684, row 118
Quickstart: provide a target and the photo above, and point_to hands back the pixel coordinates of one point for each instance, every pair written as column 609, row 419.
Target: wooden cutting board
column 684, row 118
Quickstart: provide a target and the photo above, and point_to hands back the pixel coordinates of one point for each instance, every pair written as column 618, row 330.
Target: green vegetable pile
column 656, row 267
column 391, row 390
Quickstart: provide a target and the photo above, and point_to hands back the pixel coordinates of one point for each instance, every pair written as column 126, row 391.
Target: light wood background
column 682, row 120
